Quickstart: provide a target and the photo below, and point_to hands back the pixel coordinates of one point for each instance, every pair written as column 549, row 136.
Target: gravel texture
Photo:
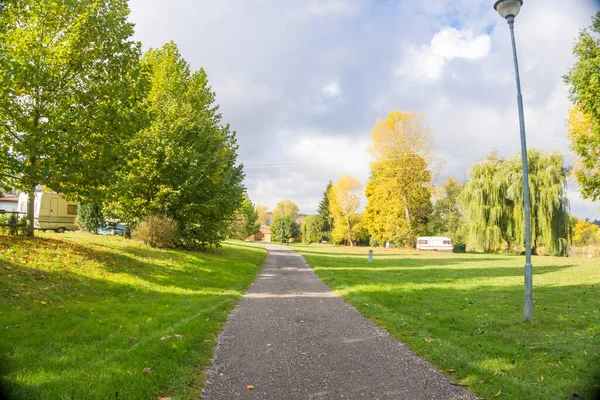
column 290, row 337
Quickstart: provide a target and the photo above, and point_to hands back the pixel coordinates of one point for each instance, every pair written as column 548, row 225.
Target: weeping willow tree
column 494, row 205
column 549, row 203
column 488, row 210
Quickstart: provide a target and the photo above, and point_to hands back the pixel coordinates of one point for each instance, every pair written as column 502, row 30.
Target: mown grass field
column 96, row 317
column 463, row 313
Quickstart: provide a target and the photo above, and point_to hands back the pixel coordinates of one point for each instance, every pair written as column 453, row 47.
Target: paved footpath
column 290, row 337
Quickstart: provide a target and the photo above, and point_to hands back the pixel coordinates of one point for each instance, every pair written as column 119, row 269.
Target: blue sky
column 304, row 82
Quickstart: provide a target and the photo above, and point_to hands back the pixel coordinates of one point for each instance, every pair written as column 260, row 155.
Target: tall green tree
column 583, row 81
column 311, row 229
column 284, row 227
column 70, row 91
column 184, row 165
column 324, row 221
column 446, row 218
column 245, row 220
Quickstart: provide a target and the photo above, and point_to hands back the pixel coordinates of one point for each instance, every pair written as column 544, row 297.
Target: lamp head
column 507, row 8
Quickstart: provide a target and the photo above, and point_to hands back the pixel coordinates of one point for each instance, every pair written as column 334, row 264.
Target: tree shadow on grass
column 186, row 270
column 71, row 335
column 477, row 332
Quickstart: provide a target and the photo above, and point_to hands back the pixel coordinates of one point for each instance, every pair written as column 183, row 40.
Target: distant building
column 263, row 235
column 9, row 202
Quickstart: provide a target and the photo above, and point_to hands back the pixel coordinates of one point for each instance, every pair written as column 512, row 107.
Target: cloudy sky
column 303, row 82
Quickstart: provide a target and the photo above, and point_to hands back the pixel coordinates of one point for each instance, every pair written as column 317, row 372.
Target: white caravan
column 436, row 243
column 51, row 211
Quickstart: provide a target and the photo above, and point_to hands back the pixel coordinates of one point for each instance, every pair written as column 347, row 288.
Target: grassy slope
column 463, row 312
column 83, row 316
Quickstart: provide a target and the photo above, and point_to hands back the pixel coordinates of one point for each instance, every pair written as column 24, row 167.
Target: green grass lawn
column 463, row 312
column 97, row 317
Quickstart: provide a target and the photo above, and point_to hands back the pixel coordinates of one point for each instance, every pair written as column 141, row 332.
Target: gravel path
column 290, row 337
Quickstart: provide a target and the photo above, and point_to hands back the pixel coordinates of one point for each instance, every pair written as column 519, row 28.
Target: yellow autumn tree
column 287, row 208
column 344, row 201
column 263, row 216
column 399, row 191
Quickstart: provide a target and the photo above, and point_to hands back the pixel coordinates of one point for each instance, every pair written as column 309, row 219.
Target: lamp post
column 509, row 9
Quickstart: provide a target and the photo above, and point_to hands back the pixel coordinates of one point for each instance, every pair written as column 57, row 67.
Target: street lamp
column 509, row 9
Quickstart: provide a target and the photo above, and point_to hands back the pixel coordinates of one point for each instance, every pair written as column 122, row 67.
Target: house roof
column 265, row 230
column 10, row 198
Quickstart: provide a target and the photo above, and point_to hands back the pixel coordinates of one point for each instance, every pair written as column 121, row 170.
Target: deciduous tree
column 263, row 216
column 494, row 205
column 584, row 118
column 184, row 165
column 284, row 227
column 447, row 216
column 344, row 201
column 245, row 220
column 286, row 207
column 311, row 229
column 399, row 191
column 487, row 207
column 70, row 91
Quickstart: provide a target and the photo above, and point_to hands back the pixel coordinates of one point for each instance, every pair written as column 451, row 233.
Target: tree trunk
column 406, row 212
column 96, row 219
column 30, row 210
column 350, row 234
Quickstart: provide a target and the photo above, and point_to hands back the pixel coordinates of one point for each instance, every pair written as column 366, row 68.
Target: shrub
column 12, row 220
column 90, row 218
column 157, row 231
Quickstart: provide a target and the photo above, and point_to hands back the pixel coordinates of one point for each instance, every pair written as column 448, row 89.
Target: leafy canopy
column 584, row 118
column 399, row 191
column 284, row 227
column 70, row 91
column 245, row 220
column 344, row 201
column 494, row 204
column 183, row 165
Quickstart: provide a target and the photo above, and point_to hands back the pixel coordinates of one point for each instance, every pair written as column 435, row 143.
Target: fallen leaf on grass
column 178, row 336
column 164, row 398
column 304, row 353
column 250, row 387
column 498, row 394
column 147, row 370
column 166, row 337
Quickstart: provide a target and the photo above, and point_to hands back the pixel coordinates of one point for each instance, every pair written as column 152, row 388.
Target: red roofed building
column 264, row 235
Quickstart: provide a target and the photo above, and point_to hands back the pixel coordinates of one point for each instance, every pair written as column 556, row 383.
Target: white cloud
column 303, row 83
column 428, row 61
column 332, row 89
